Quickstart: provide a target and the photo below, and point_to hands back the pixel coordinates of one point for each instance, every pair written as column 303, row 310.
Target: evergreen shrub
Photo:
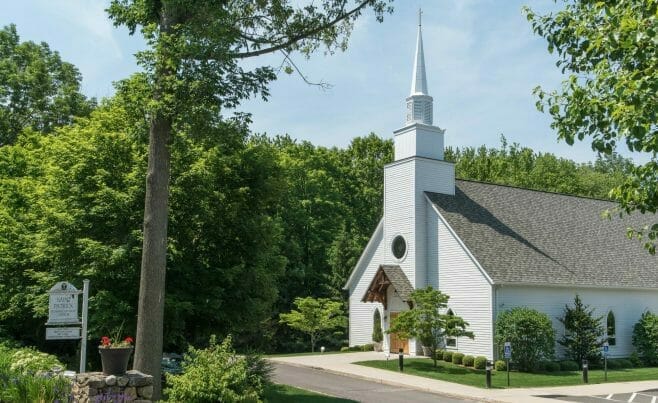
column 500, row 365
column 624, row 363
column 551, row 366
column 480, row 362
column 468, row 361
column 457, row 358
column 569, row 366
column 447, row 356
column 645, row 338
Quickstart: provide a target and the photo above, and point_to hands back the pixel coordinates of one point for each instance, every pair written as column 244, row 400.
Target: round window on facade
column 399, row 247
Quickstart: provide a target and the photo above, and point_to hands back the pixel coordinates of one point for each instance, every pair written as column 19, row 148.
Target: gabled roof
column 533, row 237
column 388, row 275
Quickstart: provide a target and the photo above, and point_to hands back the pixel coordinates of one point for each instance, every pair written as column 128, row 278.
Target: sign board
column 63, row 304
column 508, row 350
column 62, row 333
column 606, row 348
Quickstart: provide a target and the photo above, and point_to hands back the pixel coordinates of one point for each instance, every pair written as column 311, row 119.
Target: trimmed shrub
column 447, row 356
column 551, row 366
column 614, row 364
column 439, row 354
column 569, row 366
column 457, row 358
column 368, row 347
column 468, row 361
column 635, row 359
column 344, row 348
column 531, row 334
column 645, row 338
column 624, row 363
column 377, row 334
column 500, row 365
column 480, row 362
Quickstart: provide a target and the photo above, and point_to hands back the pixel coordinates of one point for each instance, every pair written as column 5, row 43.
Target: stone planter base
column 133, row 386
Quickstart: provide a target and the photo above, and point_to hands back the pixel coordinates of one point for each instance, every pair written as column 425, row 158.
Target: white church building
column 491, row 247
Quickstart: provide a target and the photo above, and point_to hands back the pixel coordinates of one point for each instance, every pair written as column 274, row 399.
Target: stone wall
column 93, row 387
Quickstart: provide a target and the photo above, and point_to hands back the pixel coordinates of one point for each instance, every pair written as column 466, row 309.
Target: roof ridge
column 535, row 190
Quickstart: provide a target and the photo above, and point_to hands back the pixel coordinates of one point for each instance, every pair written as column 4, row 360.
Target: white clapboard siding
column 627, row 305
column 399, row 213
column 361, row 313
column 456, row 273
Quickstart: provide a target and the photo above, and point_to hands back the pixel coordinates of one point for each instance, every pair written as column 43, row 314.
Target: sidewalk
column 342, row 364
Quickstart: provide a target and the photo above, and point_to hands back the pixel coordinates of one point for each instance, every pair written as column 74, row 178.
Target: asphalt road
column 351, row 388
column 645, row 396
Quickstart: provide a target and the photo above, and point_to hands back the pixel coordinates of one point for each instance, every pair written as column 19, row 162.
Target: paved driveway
column 644, row 396
column 353, row 388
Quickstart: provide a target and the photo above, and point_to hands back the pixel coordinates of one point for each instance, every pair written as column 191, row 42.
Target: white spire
column 419, row 80
column 419, row 103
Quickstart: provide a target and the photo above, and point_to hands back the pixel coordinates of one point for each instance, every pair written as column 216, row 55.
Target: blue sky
column 481, row 56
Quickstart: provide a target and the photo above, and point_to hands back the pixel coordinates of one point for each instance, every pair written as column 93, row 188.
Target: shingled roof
column 386, row 276
column 533, row 237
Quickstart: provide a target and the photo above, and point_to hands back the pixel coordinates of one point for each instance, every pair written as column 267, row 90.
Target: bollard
column 401, row 360
column 585, row 370
column 489, row 367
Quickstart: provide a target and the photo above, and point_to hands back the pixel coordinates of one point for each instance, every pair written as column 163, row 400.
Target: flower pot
column 115, row 360
column 377, row 346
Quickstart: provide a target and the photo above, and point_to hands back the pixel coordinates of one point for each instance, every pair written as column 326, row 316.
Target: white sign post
column 63, row 310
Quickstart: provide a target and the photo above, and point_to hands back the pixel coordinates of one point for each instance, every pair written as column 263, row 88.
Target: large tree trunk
column 150, row 316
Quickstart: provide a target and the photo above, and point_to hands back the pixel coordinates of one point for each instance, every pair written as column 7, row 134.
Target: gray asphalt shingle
column 533, row 237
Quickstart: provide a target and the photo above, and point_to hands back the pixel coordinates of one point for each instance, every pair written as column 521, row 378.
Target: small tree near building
column 583, row 333
column 426, row 322
column 531, row 334
column 314, row 316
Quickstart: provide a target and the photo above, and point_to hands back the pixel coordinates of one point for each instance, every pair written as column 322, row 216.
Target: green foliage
column 500, row 365
column 569, row 366
column 480, row 362
column 515, row 165
column 37, row 89
column 28, row 361
column 645, row 338
column 583, row 336
column 609, row 50
column 447, row 356
column 457, row 358
column 217, row 374
column 635, row 359
column 377, row 334
column 314, row 316
column 22, row 377
column 551, row 366
column 531, row 334
column 426, row 322
column 468, row 360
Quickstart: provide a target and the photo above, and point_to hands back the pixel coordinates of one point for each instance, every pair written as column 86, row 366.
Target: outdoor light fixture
column 322, row 350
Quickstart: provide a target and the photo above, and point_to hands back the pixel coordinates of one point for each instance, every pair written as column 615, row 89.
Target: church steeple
column 419, row 103
column 419, row 80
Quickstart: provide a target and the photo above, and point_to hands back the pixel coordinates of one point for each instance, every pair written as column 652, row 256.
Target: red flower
column 128, row 340
column 105, row 341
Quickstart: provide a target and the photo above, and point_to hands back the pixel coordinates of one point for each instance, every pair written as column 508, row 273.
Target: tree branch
column 303, row 35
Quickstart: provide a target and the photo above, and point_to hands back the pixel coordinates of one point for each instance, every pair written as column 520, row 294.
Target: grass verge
column 276, row 393
column 473, row 377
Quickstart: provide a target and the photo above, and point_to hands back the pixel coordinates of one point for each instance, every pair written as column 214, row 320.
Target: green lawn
column 468, row 376
column 286, row 394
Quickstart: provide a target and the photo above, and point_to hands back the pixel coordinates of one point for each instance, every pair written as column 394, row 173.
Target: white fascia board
column 380, row 227
column 461, row 243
